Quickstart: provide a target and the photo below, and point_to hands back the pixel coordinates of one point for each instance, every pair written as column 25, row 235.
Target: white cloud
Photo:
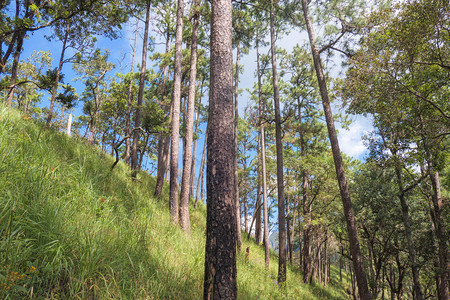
column 350, row 141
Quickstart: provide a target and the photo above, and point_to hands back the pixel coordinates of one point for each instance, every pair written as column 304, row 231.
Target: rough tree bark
column 220, row 250
column 343, row 188
column 187, row 149
column 175, row 128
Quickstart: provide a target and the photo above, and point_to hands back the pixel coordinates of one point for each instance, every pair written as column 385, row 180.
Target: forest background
column 386, row 62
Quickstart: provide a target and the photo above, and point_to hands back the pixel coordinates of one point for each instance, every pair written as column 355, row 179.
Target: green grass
column 71, row 229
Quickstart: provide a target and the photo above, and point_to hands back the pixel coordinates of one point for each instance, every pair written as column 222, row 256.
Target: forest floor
column 72, row 229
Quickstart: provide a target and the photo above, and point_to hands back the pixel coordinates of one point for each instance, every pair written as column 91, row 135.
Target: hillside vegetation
column 72, row 229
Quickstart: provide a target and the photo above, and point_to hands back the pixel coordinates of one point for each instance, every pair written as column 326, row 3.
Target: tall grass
column 72, row 229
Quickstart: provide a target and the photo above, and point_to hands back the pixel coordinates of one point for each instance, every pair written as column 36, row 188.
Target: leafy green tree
column 30, row 16
column 93, row 70
column 400, row 61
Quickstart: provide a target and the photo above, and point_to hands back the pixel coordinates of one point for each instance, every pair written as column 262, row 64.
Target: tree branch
column 331, row 44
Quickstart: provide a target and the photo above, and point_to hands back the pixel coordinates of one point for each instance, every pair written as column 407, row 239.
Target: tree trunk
column 405, row 217
column 236, row 179
column 220, row 250
column 58, row 74
column 163, row 159
column 200, row 173
column 194, row 155
column 306, row 205
column 443, row 271
column 92, row 131
column 279, row 146
column 257, row 213
column 142, row 152
column 345, row 195
column 175, row 128
column 163, row 139
column 263, row 161
column 15, row 67
column 435, row 250
column 325, row 260
column 137, row 116
column 129, row 101
column 245, row 213
column 291, row 246
column 288, row 230
column 187, row 157
column 306, row 253
column 69, row 125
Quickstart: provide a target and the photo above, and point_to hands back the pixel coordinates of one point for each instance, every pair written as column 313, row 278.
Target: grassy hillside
column 71, row 229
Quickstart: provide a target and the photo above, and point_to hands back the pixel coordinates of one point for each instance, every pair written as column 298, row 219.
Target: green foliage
column 70, row 229
column 47, row 80
column 68, row 97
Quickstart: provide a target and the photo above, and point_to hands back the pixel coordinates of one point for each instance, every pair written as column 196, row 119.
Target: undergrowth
column 72, row 229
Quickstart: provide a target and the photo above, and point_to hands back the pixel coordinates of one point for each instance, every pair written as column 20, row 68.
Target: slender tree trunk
column 236, row 179
column 345, row 195
column 279, row 146
column 137, row 116
column 432, row 219
column 129, row 101
column 175, row 128
column 163, row 159
column 69, row 125
column 306, row 253
column 220, row 251
column 163, row 139
column 288, row 230
column 325, row 261
column 58, row 74
column 194, row 156
column 92, row 131
column 15, row 67
column 187, row 158
column 245, row 213
column 142, row 152
column 291, row 247
column 319, row 264
column 443, row 271
column 185, row 179
column 263, row 160
column 340, row 263
column 93, row 116
column 18, row 38
column 408, row 231
column 200, row 173
column 300, row 244
column 257, row 213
